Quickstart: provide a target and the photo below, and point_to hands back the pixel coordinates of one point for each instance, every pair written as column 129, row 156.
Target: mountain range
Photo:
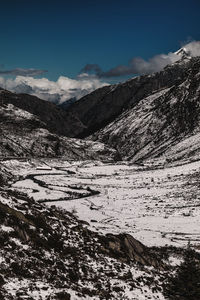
column 146, row 117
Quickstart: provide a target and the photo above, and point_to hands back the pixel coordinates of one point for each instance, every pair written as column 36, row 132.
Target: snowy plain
column 158, row 206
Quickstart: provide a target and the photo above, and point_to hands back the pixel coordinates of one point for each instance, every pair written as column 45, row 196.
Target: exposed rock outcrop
column 126, row 248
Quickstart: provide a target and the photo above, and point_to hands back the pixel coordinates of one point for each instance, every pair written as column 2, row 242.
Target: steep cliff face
column 104, row 105
column 163, row 123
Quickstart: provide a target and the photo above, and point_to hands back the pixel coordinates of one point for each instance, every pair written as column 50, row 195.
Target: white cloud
column 193, row 48
column 138, row 65
column 56, row 91
column 23, row 72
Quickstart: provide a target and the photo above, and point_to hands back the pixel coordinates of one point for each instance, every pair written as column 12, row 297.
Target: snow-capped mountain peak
column 191, row 49
column 183, row 53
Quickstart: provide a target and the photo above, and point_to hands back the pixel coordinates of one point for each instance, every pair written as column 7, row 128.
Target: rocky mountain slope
column 56, row 119
column 105, row 104
column 26, row 134
column 166, row 123
column 147, row 116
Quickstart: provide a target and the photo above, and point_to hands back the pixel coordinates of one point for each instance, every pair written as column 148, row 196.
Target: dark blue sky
column 63, row 36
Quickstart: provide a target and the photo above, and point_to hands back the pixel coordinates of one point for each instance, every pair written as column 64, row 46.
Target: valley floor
column 158, row 206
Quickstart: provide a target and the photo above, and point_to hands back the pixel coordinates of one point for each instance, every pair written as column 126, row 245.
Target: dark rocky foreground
column 47, row 253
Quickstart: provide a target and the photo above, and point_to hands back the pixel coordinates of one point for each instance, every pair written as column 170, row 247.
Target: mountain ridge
column 24, row 134
column 160, row 120
column 57, row 120
column 102, row 106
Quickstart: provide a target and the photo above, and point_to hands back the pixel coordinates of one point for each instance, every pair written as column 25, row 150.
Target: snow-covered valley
column 158, row 206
